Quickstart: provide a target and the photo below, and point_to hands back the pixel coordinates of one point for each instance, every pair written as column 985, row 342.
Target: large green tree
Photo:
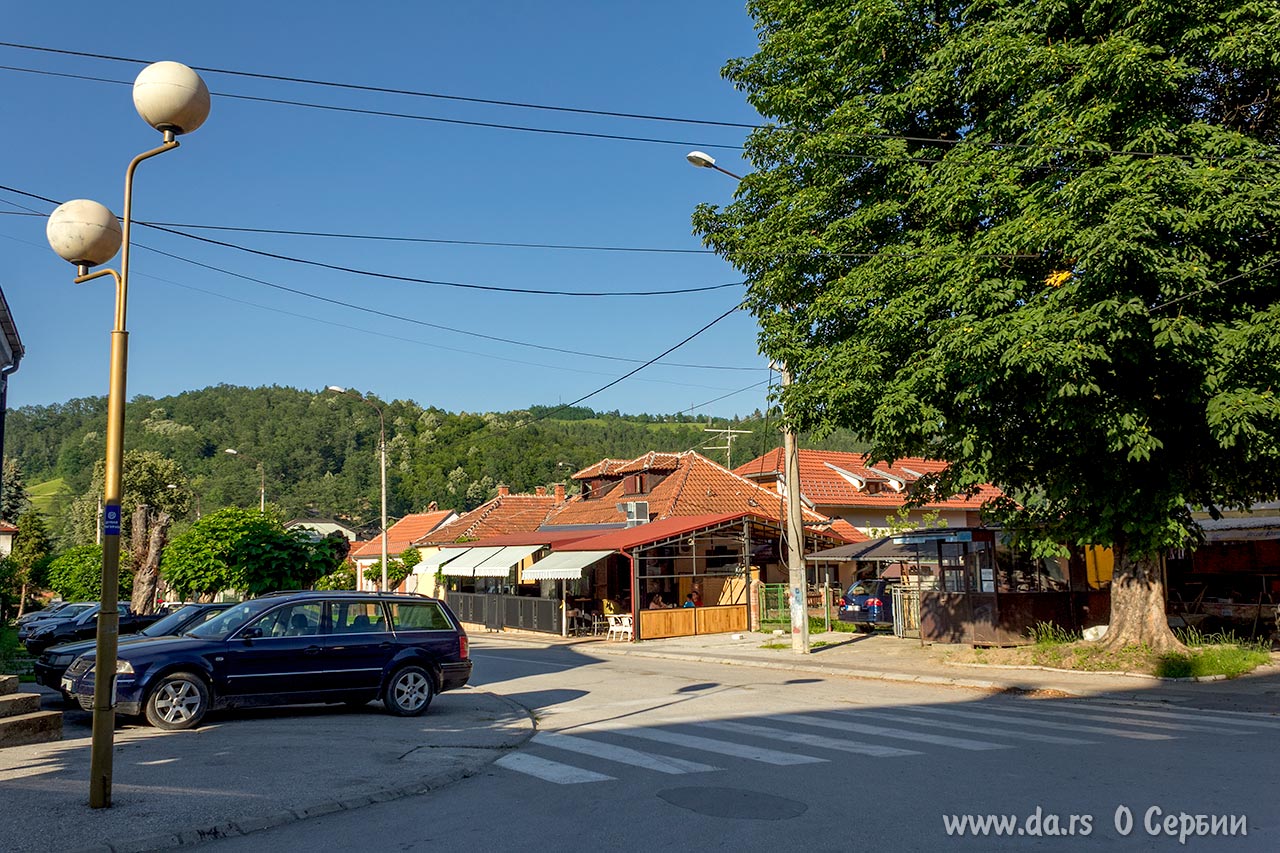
column 1037, row 239
column 246, row 551
column 13, row 491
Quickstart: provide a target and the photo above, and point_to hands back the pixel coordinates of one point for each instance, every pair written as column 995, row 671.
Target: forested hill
column 319, row 450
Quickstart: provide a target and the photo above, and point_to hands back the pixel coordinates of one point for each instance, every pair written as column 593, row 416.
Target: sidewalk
column 252, row 770
column 887, row 658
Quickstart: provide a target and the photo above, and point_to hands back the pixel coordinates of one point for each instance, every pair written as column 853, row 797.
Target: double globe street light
column 174, row 100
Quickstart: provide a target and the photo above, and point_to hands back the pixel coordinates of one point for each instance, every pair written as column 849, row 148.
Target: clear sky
column 262, row 165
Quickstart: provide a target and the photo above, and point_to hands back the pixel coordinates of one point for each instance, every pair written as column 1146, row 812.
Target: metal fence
column 773, row 605
column 906, row 611
column 496, row 612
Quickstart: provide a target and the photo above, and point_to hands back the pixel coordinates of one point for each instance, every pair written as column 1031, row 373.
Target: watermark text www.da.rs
column 1152, row 822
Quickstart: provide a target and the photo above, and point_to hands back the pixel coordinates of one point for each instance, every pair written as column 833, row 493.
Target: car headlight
column 123, row 667
column 60, row 660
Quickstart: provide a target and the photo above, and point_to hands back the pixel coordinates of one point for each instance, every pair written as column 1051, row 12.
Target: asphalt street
column 639, row 753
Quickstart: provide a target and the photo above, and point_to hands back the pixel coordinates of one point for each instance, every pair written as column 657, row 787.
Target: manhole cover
column 734, row 803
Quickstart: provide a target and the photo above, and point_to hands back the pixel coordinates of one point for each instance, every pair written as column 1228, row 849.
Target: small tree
column 31, row 553
column 14, row 499
column 398, row 568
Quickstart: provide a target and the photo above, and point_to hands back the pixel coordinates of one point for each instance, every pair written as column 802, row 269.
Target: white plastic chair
column 620, row 628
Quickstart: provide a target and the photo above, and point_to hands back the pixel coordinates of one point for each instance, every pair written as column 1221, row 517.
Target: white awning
column 430, row 564
column 464, row 566
column 501, row 563
column 562, row 565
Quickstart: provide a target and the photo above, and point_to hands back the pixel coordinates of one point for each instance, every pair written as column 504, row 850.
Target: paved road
column 672, row 755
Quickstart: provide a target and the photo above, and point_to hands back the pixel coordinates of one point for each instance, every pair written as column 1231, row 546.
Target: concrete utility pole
column 796, row 583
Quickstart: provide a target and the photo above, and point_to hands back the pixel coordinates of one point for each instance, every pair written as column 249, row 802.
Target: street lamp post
column 796, row 581
column 262, row 478
column 174, row 100
column 382, row 454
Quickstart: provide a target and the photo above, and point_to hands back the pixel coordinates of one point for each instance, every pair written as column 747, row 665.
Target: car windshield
column 862, row 588
column 169, row 624
column 230, row 619
column 72, row 610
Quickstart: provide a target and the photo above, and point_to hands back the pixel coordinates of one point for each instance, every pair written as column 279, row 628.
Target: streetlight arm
column 170, row 143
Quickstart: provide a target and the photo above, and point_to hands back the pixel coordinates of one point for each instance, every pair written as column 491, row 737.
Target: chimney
column 503, row 491
column 559, row 493
column 433, row 507
column 540, row 491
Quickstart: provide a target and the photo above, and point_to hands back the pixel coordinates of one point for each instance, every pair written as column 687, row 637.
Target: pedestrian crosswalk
column 604, row 752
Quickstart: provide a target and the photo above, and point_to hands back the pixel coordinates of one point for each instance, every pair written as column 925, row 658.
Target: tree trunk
column 150, row 534
column 1138, row 604
column 22, row 601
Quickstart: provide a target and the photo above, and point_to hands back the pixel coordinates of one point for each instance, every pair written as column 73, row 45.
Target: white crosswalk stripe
column 1243, row 719
column 789, row 739
column 963, row 727
column 550, row 771
column 722, row 747
column 620, row 754
column 1116, row 717
column 811, row 740
column 884, row 731
column 1045, row 724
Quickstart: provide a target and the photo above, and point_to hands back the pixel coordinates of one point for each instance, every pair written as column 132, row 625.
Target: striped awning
column 563, row 565
column 500, row 564
column 431, row 564
column 465, row 565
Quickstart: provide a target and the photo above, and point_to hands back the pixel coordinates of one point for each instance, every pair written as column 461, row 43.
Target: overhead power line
column 390, row 91
column 492, row 288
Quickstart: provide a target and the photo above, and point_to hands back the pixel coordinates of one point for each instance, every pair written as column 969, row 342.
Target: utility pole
column 795, row 534
column 728, row 435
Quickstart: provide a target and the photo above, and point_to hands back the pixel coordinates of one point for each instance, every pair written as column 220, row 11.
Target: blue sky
column 273, row 166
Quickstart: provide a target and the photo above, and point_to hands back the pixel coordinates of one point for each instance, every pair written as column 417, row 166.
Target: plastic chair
column 620, row 627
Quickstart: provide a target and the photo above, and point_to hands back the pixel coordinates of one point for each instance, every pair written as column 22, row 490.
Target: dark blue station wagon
column 289, row 648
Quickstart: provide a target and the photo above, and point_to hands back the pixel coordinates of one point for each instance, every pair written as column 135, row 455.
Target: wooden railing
column 690, row 621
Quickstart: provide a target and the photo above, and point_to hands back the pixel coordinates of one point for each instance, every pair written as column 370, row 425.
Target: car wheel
column 867, row 629
column 408, row 692
column 179, row 701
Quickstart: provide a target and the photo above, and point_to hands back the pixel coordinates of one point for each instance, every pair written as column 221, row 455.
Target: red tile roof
column 651, row 461
column 402, row 534
column 501, row 515
column 641, row 534
column 553, row 538
column 603, row 468
column 697, row 486
column 832, row 478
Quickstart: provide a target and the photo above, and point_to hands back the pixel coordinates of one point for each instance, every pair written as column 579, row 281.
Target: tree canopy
column 1036, row 239
column 246, row 551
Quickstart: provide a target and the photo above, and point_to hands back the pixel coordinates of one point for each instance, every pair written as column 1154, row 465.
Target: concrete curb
column 190, row 836
column 878, row 675
column 1146, row 676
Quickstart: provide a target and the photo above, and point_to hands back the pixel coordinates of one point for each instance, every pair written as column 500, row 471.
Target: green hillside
column 319, row 451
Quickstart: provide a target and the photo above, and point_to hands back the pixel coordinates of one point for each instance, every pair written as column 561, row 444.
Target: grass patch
column 776, row 646
column 816, row 625
column 1208, row 655
column 1049, row 634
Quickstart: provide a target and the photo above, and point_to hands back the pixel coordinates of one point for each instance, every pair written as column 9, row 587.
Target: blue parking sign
column 111, row 520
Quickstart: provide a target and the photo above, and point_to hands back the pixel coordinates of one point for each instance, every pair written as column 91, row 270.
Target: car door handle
column 311, row 650
column 385, row 644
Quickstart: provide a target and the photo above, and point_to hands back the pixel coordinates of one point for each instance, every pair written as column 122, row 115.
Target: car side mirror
column 250, row 633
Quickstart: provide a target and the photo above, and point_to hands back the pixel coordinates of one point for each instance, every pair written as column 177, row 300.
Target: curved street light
column 262, row 478
column 796, row 580
column 382, row 453
column 174, row 100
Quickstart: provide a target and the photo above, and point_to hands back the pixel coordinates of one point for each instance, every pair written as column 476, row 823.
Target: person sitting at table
column 689, row 602
column 656, row 603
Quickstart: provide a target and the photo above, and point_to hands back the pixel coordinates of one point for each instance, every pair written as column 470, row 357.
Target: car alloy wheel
column 409, row 692
column 178, row 702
